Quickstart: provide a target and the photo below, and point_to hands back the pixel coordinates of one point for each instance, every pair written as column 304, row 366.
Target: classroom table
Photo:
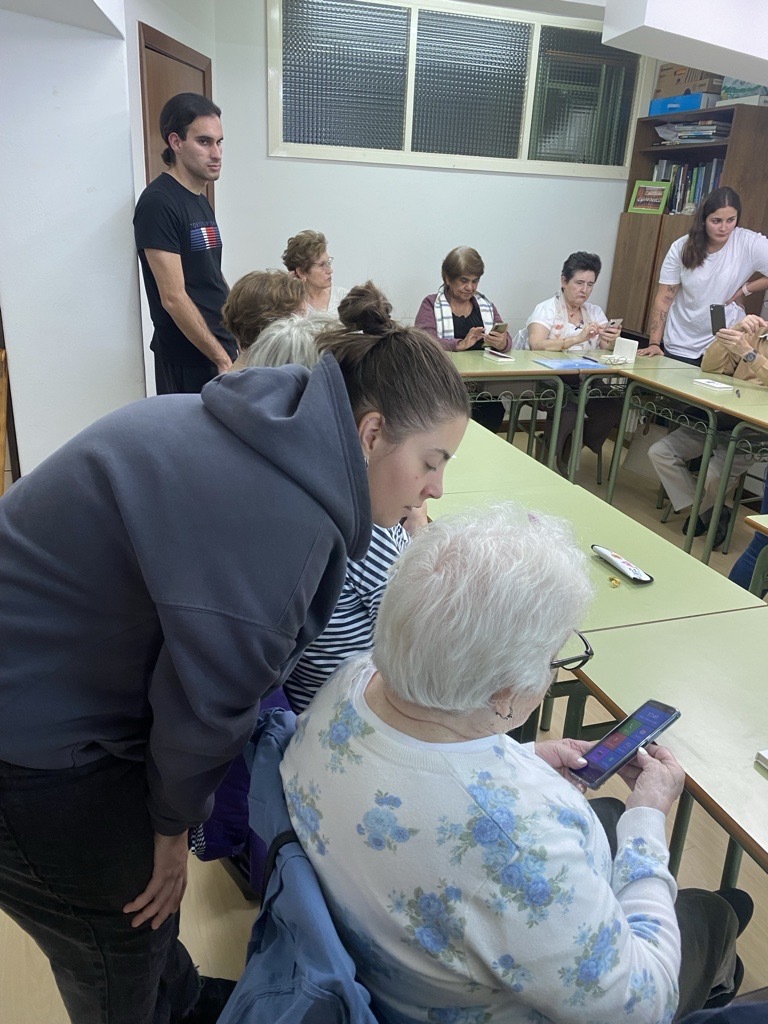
column 486, row 470
column 714, row 668
column 618, row 388
column 751, row 437
column 678, row 385
column 522, row 368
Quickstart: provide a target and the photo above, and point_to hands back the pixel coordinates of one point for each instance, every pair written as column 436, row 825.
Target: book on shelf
column 690, row 181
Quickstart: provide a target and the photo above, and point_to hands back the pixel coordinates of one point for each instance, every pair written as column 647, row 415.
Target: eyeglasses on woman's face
column 325, row 264
column 574, row 661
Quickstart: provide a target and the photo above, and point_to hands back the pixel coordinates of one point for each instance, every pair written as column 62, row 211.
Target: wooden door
column 167, row 68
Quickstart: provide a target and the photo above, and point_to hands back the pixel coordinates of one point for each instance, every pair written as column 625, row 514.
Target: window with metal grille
column 444, row 83
column 583, row 99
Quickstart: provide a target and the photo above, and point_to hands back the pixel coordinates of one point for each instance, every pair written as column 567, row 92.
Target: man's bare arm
column 169, row 275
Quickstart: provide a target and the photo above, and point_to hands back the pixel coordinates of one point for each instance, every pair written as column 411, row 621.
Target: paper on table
column 585, row 363
column 715, row 385
column 762, row 758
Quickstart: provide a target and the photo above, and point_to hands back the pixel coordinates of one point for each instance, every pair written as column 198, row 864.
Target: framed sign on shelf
column 649, row 197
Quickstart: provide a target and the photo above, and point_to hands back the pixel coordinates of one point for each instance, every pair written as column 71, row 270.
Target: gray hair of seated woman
column 479, row 602
column 292, row 340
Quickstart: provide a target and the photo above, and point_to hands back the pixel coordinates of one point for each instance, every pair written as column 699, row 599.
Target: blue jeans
column 76, row 845
column 743, row 568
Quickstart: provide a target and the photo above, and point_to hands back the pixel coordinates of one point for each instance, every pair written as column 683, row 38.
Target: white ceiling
column 80, row 13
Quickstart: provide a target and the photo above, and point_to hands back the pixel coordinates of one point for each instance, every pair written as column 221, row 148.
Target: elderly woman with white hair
column 469, row 880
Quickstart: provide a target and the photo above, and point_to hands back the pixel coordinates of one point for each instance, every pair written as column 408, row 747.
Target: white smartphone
column 616, row 323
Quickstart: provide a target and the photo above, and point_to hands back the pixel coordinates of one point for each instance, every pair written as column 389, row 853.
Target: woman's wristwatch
column 750, row 357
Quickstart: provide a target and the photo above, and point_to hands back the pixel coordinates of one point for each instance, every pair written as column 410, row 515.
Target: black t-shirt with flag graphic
column 171, row 218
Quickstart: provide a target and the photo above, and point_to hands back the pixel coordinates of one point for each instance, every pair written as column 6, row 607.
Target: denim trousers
column 76, row 845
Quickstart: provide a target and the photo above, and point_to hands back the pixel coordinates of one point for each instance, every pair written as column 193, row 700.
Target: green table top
column 475, row 365
column 680, row 382
column 714, row 669
column 759, row 523
column 487, row 469
column 644, row 364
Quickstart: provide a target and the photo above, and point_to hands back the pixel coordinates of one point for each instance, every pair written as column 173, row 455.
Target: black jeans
column 75, row 846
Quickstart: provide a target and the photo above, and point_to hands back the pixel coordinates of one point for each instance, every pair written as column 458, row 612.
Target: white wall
column 394, row 224
column 68, row 280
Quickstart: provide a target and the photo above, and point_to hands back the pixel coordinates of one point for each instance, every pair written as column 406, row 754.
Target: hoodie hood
column 301, row 422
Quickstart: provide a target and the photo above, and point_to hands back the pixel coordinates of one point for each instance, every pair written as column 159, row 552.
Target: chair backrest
column 297, row 971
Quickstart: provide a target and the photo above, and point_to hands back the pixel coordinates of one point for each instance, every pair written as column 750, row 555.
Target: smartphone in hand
column 717, row 318
column 623, row 742
column 616, row 323
column 499, row 329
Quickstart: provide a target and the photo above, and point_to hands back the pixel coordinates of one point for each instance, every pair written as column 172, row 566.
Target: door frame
column 151, row 39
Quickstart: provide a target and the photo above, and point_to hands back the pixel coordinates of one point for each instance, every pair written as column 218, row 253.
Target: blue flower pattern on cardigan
column 380, row 826
column 345, row 725
column 493, row 826
column 458, row 853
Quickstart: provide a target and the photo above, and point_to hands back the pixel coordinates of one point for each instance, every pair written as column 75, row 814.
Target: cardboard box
column 674, row 80
column 674, row 104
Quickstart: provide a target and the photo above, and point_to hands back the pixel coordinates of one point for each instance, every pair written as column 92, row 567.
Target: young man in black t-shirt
column 179, row 248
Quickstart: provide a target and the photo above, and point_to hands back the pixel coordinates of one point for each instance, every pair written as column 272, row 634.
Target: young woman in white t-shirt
column 713, row 263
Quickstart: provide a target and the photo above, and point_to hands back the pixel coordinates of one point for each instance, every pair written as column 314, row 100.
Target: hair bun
column 365, row 308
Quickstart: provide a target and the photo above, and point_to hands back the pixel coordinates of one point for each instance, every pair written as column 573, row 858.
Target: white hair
column 292, row 340
column 479, row 602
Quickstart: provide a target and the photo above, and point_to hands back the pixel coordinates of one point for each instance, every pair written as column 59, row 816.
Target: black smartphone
column 717, row 318
column 623, row 741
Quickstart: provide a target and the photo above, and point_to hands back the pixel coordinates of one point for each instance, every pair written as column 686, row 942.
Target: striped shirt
column 350, row 630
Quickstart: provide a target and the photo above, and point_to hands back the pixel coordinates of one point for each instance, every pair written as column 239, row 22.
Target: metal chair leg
column 679, row 832
column 730, row 876
column 599, row 467
column 738, row 494
column 667, row 512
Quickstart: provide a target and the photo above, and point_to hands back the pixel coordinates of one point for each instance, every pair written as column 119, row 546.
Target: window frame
column 410, row 158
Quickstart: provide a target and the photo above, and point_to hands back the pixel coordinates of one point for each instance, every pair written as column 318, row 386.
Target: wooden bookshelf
column 641, row 246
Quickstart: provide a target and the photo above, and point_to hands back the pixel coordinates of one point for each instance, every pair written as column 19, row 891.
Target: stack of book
column 704, row 131
column 692, row 132
column 690, row 182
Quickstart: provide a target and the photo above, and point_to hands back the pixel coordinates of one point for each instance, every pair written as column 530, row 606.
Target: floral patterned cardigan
column 470, row 882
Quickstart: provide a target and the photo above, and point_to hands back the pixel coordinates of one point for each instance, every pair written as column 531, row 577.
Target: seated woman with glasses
column 468, row 878
column 306, row 257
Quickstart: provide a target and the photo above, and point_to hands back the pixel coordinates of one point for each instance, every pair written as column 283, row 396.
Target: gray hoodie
column 165, row 569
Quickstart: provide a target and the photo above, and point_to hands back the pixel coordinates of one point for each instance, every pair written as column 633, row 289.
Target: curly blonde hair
column 257, row 299
column 304, row 249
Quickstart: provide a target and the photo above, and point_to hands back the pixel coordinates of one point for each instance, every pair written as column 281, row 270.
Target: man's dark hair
column 178, row 114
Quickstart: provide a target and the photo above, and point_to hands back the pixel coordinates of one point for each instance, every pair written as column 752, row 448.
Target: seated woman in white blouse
column 569, row 323
column 469, row 879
